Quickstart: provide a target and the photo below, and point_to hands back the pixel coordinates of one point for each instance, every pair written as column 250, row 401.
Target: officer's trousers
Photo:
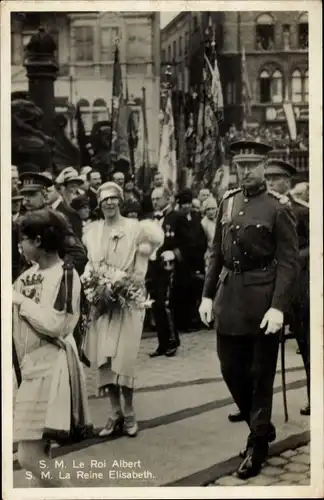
column 162, row 293
column 248, row 365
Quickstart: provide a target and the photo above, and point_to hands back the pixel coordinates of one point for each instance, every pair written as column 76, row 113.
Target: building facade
column 86, row 44
column 276, row 60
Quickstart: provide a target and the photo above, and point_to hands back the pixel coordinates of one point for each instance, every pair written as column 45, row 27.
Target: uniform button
column 234, row 242
column 241, row 212
column 237, row 227
column 258, row 225
column 246, row 200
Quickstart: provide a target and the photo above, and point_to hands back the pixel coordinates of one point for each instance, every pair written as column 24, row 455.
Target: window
column 277, row 87
column 99, row 111
column 265, row 32
column 286, row 36
column 186, row 48
column 163, row 56
column 265, row 87
column 296, row 86
column 83, row 43
column 174, row 55
column 85, row 114
column 303, row 31
column 169, row 54
column 108, row 41
column 306, row 86
column 195, row 23
column 231, row 93
column 180, row 46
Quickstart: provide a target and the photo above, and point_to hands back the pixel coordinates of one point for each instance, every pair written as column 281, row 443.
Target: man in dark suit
column 70, row 183
column 190, row 275
column 251, row 277
column 95, row 181
column 163, row 269
column 279, row 176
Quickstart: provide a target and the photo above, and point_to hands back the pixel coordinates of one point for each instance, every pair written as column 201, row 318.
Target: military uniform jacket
column 301, row 211
column 254, row 260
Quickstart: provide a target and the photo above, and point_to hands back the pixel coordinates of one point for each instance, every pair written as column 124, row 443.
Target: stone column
column 42, row 72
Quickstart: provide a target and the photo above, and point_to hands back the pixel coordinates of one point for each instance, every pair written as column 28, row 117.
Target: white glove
column 205, row 310
column 168, row 255
column 273, row 320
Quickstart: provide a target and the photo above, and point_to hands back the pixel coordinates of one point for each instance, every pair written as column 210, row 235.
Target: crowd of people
column 186, row 250
column 277, row 136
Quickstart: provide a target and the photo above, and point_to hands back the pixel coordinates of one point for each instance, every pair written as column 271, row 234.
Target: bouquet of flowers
column 108, row 288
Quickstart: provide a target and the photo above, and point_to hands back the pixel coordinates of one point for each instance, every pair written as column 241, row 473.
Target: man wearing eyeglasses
column 251, row 276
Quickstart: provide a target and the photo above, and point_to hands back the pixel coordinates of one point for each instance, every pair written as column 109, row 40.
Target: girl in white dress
column 51, row 402
column 112, row 341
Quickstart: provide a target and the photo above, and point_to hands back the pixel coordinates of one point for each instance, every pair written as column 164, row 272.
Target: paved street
column 182, row 406
column 292, row 467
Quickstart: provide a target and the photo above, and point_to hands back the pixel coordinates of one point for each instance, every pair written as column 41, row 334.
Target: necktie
column 158, row 215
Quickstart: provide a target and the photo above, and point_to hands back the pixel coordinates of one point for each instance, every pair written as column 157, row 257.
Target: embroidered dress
column 43, row 400
column 112, row 341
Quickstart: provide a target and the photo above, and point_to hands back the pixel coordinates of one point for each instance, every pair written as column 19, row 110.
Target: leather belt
column 239, row 268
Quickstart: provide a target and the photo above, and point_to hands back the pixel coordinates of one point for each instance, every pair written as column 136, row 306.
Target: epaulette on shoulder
column 282, row 198
column 299, row 201
column 231, row 192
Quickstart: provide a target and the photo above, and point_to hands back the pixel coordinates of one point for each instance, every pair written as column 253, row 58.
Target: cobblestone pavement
column 182, row 405
column 290, row 468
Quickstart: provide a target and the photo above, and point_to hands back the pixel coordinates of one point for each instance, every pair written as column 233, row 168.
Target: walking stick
column 283, row 371
column 168, row 310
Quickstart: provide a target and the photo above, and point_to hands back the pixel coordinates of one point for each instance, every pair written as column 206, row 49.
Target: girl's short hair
column 50, row 226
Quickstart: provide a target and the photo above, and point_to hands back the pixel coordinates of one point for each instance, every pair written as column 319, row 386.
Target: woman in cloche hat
column 112, row 341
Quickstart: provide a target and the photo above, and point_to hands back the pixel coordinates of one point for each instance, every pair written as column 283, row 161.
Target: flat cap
column 33, row 181
column 280, row 167
column 249, row 150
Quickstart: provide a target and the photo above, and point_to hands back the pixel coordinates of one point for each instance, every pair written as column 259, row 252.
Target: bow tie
column 158, row 215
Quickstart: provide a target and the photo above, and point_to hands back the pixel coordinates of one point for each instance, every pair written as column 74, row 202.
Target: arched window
column 306, row 86
column 277, row 87
column 85, row 114
column 265, row 86
column 99, row 111
column 296, row 86
column 303, row 31
column 264, row 32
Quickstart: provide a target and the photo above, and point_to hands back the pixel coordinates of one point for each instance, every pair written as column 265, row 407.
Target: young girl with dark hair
column 51, row 402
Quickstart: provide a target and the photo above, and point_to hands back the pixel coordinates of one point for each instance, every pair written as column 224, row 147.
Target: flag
column 117, row 89
column 83, row 141
column 142, row 152
column 132, row 132
column 211, row 111
column 119, row 116
column 182, row 152
column 246, row 88
column 167, row 155
column 290, row 117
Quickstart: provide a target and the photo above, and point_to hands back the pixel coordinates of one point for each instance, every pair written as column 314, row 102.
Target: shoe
column 305, row 410
column 271, row 437
column 236, row 417
column 130, row 425
column 113, row 426
column 171, row 352
column 250, row 467
column 156, row 353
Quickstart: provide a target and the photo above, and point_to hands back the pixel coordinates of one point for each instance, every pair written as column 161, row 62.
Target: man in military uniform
column 279, row 176
column 251, row 275
column 34, row 186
